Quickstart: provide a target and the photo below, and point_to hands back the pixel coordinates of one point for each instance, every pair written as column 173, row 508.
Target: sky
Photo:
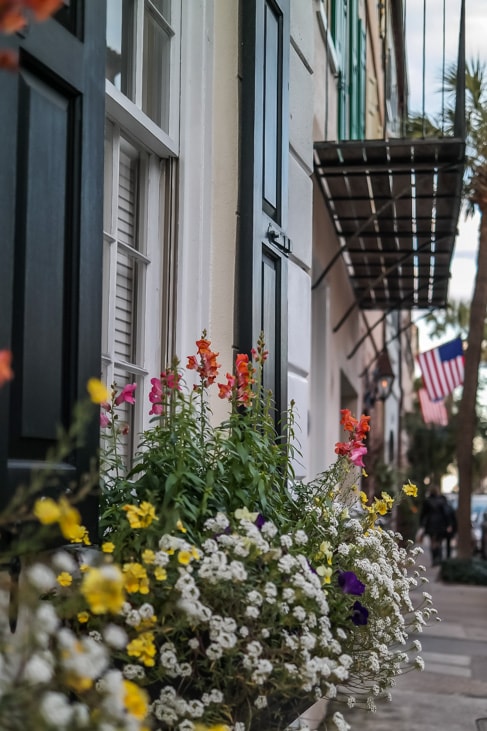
column 463, row 265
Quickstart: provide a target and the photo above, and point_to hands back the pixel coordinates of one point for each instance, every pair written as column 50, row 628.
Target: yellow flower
column 133, row 516
column 184, row 557
column 160, row 573
column 79, row 534
column 324, row 551
column 103, row 589
column 380, row 506
column 147, row 513
column 135, row 578
column 143, row 648
column 69, row 519
column 363, row 498
column 83, row 567
column 245, row 514
column 195, row 553
column 148, row 556
column 325, row 572
column 389, row 501
column 410, row 489
column 215, row 727
column 135, row 700
column 97, row 390
column 64, row 579
column 108, row 547
column 181, row 527
column 79, row 683
column 83, row 617
column 47, row 511
column 140, row 516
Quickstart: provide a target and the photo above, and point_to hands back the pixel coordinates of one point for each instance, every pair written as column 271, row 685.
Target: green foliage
column 464, row 571
column 188, row 468
column 431, row 448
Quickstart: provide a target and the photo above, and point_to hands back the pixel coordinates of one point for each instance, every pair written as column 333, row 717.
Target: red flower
column 6, row 372
column 342, row 448
column 245, row 372
column 357, row 452
column 9, row 59
column 348, row 421
column 226, row 389
column 354, row 449
column 126, row 394
column 363, row 427
column 155, row 396
column 207, row 366
column 15, row 13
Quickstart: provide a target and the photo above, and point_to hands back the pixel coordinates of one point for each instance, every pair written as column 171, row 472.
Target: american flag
column 442, row 369
column 433, row 412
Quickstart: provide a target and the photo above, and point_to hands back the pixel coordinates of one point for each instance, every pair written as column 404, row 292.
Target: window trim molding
column 327, row 37
column 122, row 111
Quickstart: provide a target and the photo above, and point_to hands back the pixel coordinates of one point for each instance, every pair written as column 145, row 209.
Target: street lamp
column 380, row 386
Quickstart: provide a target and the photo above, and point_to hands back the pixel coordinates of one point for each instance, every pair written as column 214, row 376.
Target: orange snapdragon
column 206, row 365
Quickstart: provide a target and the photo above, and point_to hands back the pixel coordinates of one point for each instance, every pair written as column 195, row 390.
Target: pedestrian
column 451, row 525
column 434, row 522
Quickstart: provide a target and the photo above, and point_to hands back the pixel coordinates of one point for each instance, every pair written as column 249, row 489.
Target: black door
column 263, row 244
column 51, row 194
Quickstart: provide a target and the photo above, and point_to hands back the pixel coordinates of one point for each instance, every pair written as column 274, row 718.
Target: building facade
column 171, row 179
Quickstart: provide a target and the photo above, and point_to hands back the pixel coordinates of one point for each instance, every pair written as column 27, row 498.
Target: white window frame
column 155, row 307
column 127, row 111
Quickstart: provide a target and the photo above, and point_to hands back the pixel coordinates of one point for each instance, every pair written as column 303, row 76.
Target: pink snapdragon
column 126, row 394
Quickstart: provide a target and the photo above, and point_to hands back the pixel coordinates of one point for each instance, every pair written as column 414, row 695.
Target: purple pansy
column 259, row 521
column 360, row 614
column 350, row 584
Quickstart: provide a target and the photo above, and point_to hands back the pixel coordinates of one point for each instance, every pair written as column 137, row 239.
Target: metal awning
column 395, row 206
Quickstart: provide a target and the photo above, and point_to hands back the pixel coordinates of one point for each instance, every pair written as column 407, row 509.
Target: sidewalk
column 451, row 692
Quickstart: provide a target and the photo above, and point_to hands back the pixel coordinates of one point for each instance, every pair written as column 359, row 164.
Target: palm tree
column 475, row 197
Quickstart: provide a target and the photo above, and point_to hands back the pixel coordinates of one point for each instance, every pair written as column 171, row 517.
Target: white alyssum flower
column 63, row 561
column 38, row 669
column 41, row 577
column 115, row 636
column 55, row 708
column 300, row 538
column 133, row 672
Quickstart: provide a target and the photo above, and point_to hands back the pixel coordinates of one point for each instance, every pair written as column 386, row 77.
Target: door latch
column 279, row 239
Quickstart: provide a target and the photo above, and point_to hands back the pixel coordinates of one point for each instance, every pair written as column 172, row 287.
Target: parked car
column 479, row 521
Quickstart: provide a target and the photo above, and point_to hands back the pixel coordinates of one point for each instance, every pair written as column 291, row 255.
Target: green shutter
column 362, row 54
column 340, row 39
column 353, row 55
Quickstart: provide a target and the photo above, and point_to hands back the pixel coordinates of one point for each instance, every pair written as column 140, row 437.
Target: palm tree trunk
column 467, row 411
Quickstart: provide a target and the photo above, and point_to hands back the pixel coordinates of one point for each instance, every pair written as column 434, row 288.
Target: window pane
column 155, row 92
column 120, row 45
column 164, row 7
column 272, row 76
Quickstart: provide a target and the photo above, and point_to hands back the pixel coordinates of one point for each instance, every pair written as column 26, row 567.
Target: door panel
column 263, row 244
column 51, row 194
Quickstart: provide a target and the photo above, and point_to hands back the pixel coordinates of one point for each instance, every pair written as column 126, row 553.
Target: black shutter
column 263, row 244
column 51, row 197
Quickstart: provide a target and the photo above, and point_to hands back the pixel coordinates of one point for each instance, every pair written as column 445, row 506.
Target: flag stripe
column 442, row 369
column 433, row 412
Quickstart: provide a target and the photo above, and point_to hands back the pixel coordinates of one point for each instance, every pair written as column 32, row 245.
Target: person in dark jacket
column 451, row 525
column 434, row 522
